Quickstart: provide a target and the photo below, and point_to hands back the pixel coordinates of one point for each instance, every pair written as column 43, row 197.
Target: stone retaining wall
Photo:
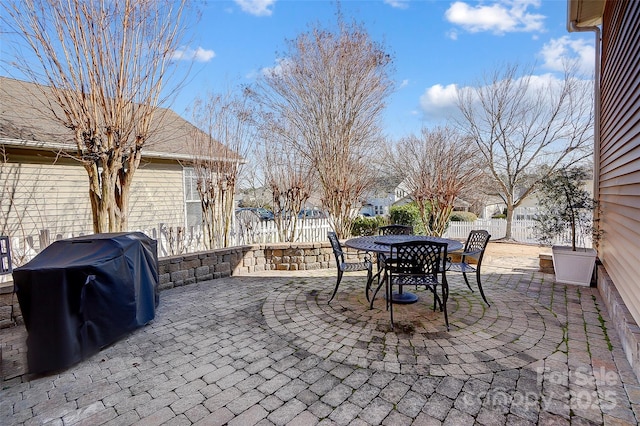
column 9, row 308
column 187, row 269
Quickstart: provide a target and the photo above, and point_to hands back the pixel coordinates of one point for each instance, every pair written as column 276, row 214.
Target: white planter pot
column 573, row 267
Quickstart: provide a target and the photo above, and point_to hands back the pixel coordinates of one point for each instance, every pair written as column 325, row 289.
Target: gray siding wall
column 619, row 189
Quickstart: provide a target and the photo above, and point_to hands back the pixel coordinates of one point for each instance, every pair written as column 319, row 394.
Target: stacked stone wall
column 175, row 271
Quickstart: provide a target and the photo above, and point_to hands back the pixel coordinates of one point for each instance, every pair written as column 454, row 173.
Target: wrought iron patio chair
column 418, row 263
column 474, row 248
column 344, row 266
column 395, row 229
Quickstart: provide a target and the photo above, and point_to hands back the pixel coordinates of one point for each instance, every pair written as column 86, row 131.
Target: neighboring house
column 44, row 188
column 617, row 158
column 403, row 195
column 380, row 197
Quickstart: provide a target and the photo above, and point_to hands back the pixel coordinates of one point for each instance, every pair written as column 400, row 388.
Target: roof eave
column 585, row 13
column 61, row 147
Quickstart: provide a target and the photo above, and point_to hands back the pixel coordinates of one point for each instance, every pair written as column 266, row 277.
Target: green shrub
column 408, row 214
column 463, row 217
column 499, row 216
column 367, row 225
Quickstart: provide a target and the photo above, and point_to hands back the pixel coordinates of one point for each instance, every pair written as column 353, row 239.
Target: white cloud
column 282, row 64
column 439, row 102
column 280, row 68
column 253, row 74
column 256, row 7
column 557, row 51
column 404, row 83
column 398, row 4
column 500, row 17
column 198, row 55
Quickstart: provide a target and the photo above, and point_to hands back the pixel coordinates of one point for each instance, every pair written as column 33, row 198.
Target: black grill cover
column 81, row 294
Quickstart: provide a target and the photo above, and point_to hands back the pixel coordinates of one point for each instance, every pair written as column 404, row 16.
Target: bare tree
column 106, row 64
column 224, row 137
column 324, row 101
column 439, row 165
column 521, row 122
column 291, row 182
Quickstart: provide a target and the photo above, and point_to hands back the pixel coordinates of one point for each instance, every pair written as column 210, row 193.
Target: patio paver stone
column 267, row 349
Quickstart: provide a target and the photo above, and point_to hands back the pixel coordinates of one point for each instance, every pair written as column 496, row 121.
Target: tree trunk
column 507, row 235
column 109, row 202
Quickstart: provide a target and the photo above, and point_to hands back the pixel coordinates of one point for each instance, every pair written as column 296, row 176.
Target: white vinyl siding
column 39, row 197
column 157, row 197
column 53, row 195
column 619, row 189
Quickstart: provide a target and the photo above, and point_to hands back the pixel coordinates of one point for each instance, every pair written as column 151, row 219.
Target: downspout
column 573, row 27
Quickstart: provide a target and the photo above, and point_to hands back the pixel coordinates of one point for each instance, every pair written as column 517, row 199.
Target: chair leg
column 375, row 293
column 445, row 296
column 464, row 274
column 389, row 291
column 335, row 290
column 435, row 298
column 480, row 287
column 374, row 277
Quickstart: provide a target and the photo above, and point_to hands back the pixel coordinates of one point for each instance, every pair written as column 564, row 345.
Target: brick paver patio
column 267, row 349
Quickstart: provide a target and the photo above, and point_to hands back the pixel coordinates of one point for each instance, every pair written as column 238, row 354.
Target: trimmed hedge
column 408, row 214
column 367, row 225
column 463, row 217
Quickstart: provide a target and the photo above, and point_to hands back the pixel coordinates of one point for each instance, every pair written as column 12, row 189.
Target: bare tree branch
column 106, row 65
column 521, row 122
column 439, row 165
column 324, row 101
column 291, row 181
column 218, row 151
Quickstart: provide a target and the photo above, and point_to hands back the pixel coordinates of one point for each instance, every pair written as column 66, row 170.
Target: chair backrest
column 418, row 258
column 337, row 248
column 476, row 243
column 395, row 229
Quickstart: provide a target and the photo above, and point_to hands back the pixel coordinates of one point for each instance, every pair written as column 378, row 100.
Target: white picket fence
column 174, row 240
column 313, row 230
column 521, row 230
column 262, row 232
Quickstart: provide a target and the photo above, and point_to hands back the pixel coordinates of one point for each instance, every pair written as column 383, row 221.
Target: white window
column 193, row 210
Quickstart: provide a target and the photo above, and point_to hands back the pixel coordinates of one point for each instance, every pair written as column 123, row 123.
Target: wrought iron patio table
column 382, row 244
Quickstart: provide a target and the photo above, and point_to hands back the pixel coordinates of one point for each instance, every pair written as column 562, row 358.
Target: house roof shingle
column 27, row 121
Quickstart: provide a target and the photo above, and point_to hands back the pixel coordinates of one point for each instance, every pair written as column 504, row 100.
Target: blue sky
column 438, row 46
